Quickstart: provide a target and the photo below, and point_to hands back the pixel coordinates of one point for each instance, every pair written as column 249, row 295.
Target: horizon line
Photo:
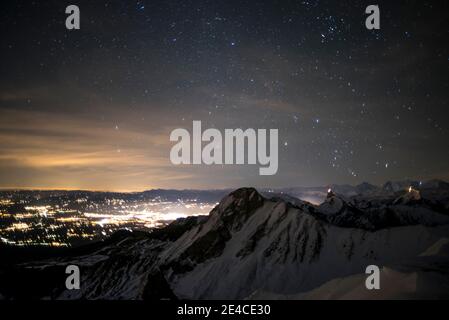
column 199, row 189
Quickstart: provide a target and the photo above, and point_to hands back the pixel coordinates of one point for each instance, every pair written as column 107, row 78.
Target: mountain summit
column 256, row 246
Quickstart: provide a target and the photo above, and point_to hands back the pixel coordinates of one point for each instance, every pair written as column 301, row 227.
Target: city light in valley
column 58, row 218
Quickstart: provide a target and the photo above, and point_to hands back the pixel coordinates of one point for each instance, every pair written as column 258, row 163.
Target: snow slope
column 282, row 248
column 262, row 247
column 423, row 277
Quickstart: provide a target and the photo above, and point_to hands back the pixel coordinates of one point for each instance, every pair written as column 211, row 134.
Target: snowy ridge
column 283, row 248
column 272, row 246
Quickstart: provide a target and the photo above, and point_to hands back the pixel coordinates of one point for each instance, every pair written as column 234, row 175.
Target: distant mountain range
column 315, row 195
column 268, row 245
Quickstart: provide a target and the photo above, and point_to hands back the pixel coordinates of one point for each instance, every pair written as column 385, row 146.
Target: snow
column 280, row 248
column 328, row 252
column 416, row 281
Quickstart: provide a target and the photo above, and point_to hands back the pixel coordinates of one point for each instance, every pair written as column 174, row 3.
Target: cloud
column 58, row 145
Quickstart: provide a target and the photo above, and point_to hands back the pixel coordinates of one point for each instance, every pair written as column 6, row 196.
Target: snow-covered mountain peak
column 243, row 199
column 334, row 204
column 274, row 243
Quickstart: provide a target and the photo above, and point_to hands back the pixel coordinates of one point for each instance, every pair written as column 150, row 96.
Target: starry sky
column 93, row 108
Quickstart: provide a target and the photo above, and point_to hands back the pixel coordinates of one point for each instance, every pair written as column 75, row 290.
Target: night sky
column 93, row 108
